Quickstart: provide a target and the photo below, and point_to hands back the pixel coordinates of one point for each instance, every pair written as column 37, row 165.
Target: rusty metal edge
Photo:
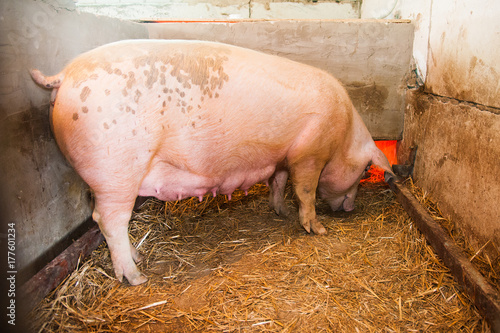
column 48, row 278
column 484, row 296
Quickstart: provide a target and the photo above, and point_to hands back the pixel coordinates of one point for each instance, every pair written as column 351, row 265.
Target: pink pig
column 175, row 119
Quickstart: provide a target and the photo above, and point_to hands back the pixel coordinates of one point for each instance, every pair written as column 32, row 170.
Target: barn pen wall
column 41, row 193
column 454, row 119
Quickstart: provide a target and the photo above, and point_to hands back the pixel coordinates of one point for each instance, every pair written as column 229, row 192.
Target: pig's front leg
column 277, row 192
column 305, row 177
column 113, row 218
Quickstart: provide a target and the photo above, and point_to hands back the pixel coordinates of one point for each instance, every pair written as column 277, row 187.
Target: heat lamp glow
column 388, row 147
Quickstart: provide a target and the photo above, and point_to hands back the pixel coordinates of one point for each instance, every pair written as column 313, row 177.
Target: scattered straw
column 236, row 266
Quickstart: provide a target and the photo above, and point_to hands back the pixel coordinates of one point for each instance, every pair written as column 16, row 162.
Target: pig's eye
column 368, row 167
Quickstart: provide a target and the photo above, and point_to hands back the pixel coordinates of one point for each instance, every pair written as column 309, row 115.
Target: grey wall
column 41, row 193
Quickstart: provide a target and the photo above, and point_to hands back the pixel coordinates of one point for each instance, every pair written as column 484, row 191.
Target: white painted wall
column 220, row 9
column 265, row 9
column 456, row 46
column 464, row 47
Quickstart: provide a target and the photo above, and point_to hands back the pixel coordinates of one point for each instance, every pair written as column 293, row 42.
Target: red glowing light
column 376, row 174
column 388, row 147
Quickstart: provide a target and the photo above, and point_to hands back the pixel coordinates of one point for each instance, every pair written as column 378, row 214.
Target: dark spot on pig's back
column 203, row 68
column 85, row 93
column 140, row 62
column 138, row 95
column 131, row 80
column 85, row 109
column 107, row 68
column 151, row 76
column 75, row 116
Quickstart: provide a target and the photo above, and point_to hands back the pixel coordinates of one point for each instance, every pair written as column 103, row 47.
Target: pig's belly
column 170, row 183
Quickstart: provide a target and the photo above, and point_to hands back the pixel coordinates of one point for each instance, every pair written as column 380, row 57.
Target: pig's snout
column 345, row 203
column 348, row 204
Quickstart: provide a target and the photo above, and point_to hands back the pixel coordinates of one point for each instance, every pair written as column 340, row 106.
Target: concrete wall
column 221, row 9
column 458, row 161
column 455, row 118
column 41, row 193
column 371, row 58
column 417, row 11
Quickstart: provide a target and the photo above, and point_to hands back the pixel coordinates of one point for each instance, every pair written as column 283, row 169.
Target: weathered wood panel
column 370, row 57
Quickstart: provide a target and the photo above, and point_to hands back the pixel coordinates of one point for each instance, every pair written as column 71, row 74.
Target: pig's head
column 338, row 184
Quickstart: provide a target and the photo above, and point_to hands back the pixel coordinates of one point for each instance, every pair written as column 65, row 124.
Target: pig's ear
column 379, row 159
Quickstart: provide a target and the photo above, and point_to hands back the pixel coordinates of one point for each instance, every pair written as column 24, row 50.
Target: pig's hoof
column 282, row 210
column 317, row 228
column 306, row 225
column 278, row 206
column 137, row 280
column 132, row 274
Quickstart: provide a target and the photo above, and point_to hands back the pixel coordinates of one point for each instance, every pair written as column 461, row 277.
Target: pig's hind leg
column 113, row 216
column 277, row 186
column 305, row 176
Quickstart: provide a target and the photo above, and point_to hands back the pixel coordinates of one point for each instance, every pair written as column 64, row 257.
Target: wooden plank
column 370, row 57
column 56, row 271
column 484, row 296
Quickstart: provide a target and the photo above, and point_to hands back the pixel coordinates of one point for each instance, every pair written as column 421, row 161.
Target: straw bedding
column 238, row 267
